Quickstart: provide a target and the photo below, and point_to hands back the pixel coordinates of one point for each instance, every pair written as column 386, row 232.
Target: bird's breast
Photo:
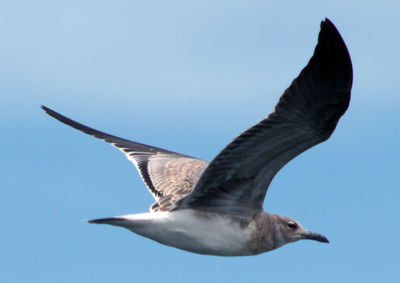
column 197, row 231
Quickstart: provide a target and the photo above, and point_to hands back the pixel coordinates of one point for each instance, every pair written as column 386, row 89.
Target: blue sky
column 189, row 76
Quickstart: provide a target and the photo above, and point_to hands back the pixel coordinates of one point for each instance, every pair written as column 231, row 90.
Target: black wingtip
column 44, row 108
column 76, row 125
column 50, row 112
column 328, row 26
column 326, row 21
column 332, row 47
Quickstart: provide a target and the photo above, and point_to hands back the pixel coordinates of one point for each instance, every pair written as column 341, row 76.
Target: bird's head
column 289, row 230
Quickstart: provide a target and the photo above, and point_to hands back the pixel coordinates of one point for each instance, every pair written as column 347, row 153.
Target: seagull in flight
column 216, row 207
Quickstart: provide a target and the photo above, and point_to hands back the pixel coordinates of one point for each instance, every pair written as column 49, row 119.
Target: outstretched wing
column 237, row 179
column 168, row 175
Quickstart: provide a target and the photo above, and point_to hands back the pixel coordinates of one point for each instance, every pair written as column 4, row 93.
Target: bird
column 216, row 208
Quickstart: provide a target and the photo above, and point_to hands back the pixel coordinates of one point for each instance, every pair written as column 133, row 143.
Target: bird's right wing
column 236, row 181
column 168, row 175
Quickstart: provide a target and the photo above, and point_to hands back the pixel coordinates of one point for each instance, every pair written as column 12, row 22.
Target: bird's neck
column 266, row 234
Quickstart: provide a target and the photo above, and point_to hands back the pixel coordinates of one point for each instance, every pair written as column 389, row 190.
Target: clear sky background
column 189, row 76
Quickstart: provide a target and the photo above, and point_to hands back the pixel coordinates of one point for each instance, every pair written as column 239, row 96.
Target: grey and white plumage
column 217, row 207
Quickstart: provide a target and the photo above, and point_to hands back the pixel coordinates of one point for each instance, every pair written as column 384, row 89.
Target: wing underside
column 168, row 175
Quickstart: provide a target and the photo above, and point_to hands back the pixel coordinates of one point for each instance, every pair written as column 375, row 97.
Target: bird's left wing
column 237, row 179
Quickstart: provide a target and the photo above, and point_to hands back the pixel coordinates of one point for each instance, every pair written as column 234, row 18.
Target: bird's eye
column 292, row 225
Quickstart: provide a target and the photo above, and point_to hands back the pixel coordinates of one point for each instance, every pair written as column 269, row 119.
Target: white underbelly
column 192, row 231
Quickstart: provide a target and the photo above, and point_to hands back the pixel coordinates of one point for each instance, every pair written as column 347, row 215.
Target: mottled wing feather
column 175, row 177
column 168, row 175
column 237, row 179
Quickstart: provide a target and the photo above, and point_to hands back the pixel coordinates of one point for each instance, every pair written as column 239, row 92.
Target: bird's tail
column 127, row 221
column 117, row 221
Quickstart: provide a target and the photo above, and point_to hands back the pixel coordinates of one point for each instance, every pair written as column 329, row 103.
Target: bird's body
column 192, row 230
column 217, row 208
column 204, row 232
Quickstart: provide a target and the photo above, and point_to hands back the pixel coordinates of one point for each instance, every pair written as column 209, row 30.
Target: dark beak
column 315, row 237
